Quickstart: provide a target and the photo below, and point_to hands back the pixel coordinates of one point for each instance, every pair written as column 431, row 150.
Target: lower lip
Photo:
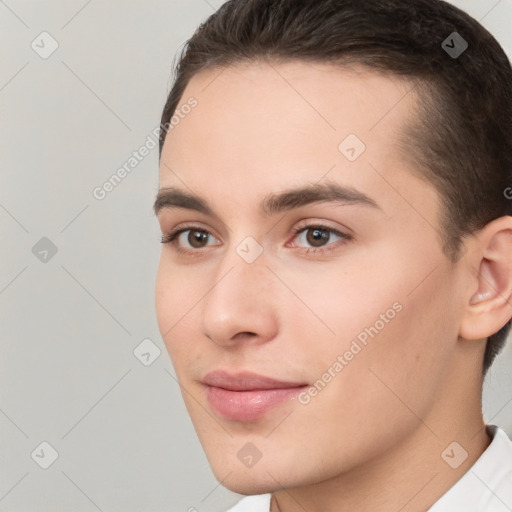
column 248, row 405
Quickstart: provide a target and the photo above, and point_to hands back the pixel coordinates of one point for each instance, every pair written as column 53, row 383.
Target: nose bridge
column 238, row 282
column 240, row 299
column 243, row 265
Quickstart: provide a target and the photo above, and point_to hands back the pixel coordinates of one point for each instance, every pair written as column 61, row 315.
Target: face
column 332, row 294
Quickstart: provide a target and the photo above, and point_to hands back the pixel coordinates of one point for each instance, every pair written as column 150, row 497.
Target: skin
column 372, row 439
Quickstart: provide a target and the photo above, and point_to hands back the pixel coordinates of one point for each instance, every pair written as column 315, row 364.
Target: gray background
column 68, row 373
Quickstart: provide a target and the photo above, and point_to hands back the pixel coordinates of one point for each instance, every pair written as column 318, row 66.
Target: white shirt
column 485, row 487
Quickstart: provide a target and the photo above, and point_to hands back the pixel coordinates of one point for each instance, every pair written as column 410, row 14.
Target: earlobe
column 489, row 306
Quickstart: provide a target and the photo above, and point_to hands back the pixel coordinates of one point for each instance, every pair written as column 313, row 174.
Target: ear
column 489, row 301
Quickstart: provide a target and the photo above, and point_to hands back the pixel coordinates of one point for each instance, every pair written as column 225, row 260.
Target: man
column 336, row 274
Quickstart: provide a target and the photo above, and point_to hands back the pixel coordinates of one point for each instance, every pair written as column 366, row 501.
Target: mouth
column 247, row 396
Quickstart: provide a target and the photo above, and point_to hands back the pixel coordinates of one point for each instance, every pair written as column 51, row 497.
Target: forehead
column 332, row 96
column 264, row 126
column 295, row 101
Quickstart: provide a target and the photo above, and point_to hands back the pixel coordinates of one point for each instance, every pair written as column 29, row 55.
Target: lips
column 247, row 396
column 246, row 381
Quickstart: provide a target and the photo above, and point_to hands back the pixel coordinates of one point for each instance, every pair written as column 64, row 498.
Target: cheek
column 165, row 298
column 371, row 393
column 338, row 300
column 175, row 298
column 383, row 317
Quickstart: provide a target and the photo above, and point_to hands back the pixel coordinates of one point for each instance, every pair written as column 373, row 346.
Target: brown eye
column 318, row 237
column 196, row 239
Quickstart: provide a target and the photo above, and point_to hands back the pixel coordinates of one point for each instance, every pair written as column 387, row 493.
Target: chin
column 248, row 483
column 264, row 477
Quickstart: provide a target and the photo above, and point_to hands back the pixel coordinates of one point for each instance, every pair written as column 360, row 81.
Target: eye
column 196, row 238
column 318, row 236
column 192, row 238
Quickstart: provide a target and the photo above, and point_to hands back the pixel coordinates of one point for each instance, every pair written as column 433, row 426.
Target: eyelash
column 172, row 237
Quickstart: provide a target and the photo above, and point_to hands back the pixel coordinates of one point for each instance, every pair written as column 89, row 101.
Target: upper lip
column 245, row 381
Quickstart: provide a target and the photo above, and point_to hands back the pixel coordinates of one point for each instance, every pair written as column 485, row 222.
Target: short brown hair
column 462, row 135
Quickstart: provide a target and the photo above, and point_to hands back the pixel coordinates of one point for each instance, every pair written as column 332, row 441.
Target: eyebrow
column 272, row 204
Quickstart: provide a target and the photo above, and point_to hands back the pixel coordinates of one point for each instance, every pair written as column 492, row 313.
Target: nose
column 241, row 306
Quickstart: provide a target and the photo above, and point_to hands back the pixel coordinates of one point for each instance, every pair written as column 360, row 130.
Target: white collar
column 487, row 485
